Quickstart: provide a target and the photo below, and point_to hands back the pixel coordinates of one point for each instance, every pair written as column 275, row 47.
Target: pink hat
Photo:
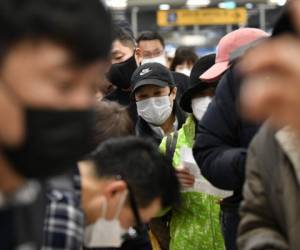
column 226, row 46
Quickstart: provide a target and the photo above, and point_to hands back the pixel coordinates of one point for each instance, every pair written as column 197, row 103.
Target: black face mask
column 55, row 140
column 120, row 73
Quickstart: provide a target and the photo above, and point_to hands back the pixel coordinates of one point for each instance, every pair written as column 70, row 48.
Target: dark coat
column 223, row 138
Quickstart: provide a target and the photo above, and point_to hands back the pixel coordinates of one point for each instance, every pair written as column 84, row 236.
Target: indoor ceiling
column 180, row 3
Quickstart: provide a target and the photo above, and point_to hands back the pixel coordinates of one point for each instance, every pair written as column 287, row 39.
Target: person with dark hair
column 124, row 183
column 53, row 56
column 123, row 46
column 120, row 73
column 124, row 63
column 195, row 224
column 125, row 25
column 154, row 92
column 112, row 121
column 151, row 48
column 184, row 60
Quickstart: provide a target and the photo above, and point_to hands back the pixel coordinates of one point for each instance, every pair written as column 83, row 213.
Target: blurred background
column 195, row 23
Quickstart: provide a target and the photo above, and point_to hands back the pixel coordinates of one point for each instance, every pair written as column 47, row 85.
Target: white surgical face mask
column 185, row 71
column 200, row 105
column 155, row 110
column 160, row 59
column 106, row 233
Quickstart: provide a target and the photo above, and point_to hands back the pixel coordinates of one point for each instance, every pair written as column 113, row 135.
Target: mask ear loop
column 123, row 199
column 121, row 204
column 104, row 208
column 133, row 204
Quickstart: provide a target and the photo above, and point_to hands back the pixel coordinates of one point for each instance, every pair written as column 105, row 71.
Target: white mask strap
column 121, row 204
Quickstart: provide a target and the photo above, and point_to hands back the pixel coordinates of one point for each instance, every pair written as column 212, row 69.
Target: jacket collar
column 290, row 144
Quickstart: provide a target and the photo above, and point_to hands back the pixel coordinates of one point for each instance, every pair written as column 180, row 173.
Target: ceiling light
column 197, row 3
column 164, row 6
column 117, row 4
column 278, row 2
column 227, row 5
column 249, row 5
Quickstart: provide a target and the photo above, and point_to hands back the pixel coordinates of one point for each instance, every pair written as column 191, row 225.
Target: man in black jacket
column 221, row 147
column 154, row 92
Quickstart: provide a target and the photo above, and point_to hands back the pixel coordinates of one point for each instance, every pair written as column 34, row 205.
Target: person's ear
column 138, row 56
column 113, row 193
column 174, row 93
column 114, row 188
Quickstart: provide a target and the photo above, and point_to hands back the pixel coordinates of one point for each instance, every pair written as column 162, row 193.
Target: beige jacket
column 270, row 213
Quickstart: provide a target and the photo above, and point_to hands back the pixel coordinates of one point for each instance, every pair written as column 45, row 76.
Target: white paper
column 201, row 184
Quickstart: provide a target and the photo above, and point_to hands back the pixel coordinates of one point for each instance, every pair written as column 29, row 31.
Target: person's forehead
column 117, row 46
column 150, row 44
column 46, row 54
column 150, row 87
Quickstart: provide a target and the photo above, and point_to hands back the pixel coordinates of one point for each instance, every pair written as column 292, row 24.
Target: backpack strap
column 171, row 144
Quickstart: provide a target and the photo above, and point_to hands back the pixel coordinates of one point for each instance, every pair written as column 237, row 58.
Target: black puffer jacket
column 223, row 138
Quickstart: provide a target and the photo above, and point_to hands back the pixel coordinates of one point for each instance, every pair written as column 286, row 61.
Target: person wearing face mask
column 130, row 196
column 127, row 56
column 124, row 63
column 47, row 84
column 224, row 135
column 112, row 121
column 154, row 92
column 116, row 197
column 152, row 48
column 184, row 60
column 195, row 224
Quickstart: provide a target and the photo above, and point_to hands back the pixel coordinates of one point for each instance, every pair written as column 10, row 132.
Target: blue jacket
column 223, row 138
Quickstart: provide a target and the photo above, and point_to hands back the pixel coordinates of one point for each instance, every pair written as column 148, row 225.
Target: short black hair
column 182, row 55
column 149, row 36
column 124, row 24
column 123, row 36
column 147, row 171
column 83, row 27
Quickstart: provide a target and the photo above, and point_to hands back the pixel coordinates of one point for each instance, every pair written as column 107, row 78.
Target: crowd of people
column 108, row 144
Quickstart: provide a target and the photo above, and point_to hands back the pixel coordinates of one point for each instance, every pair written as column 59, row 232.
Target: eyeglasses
column 153, row 54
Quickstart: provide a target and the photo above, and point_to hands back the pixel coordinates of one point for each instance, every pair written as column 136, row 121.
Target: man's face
column 120, row 52
column 43, row 75
column 114, row 193
column 96, row 192
column 151, row 49
column 149, row 91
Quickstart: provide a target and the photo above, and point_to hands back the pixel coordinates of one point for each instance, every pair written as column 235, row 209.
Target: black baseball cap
column 152, row 74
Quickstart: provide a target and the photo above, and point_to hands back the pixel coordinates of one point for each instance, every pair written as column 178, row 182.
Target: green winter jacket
column 195, row 225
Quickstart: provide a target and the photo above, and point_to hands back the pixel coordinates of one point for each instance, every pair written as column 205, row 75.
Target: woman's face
column 184, row 68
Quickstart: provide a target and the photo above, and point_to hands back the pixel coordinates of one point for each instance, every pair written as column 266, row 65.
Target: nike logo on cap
column 145, row 71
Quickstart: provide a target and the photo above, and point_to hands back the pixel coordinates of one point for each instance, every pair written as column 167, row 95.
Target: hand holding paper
column 186, row 179
column 189, row 168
